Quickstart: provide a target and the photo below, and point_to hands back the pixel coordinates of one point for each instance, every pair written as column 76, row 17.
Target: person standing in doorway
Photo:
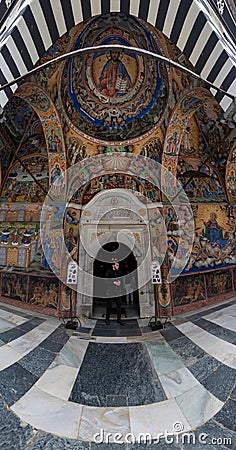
column 114, row 291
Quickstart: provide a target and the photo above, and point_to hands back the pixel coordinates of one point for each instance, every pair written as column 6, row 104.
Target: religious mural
column 57, row 174
column 76, row 150
column 20, row 185
column 213, row 136
column 20, row 133
column 215, row 237
column 188, row 290
column 43, row 292
column 157, row 234
column 16, row 116
column 106, row 149
column 17, row 233
column 72, row 231
column 22, row 212
column 14, row 286
column 205, row 186
column 121, row 95
column 141, row 186
column 218, row 282
column 66, row 298
column 230, row 176
column 153, row 148
column 6, row 154
column 18, row 243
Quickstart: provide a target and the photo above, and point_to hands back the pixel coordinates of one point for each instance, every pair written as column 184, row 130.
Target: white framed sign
column 156, row 273
column 72, row 273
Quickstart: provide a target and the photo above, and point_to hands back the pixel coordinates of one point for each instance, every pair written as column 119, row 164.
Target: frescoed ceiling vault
column 115, row 101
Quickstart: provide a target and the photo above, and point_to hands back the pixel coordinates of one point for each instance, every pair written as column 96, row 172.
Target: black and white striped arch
column 34, row 25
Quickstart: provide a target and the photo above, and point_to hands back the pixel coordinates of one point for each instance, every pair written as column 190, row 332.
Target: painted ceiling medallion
column 115, row 96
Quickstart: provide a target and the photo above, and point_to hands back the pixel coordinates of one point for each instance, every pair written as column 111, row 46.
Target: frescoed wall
column 215, row 237
column 43, row 292
column 116, row 103
column 188, row 290
column 14, row 286
column 21, row 185
column 230, row 176
column 206, row 186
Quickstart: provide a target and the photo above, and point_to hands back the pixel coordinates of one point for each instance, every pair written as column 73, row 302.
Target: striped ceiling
column 34, row 25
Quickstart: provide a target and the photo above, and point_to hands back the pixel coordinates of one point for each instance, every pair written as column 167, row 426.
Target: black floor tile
column 117, row 370
column 107, row 332
column 187, row 350
column 170, row 333
column 211, row 432
column 226, row 416
column 233, row 394
column 15, row 381
column 13, row 434
column 11, row 335
column 123, row 332
column 221, row 382
column 209, row 311
column 16, row 312
column 155, row 445
column 47, row 441
column 52, row 346
column 84, row 330
column 30, row 324
column 116, row 400
column 37, row 361
column 130, row 328
column 216, row 330
column 204, row 367
column 59, row 335
column 145, row 329
column 108, row 446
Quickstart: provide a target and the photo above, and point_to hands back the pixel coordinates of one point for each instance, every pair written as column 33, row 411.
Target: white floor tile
column 8, row 356
column 157, row 418
column 178, row 382
column 58, row 381
column 33, row 338
column 110, row 420
column 198, row 405
column 48, row 413
column 12, row 318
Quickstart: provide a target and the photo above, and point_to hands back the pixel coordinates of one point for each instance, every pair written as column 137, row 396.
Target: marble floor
column 114, row 387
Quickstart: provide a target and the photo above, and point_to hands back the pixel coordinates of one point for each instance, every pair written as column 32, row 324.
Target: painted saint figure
column 114, row 79
column 214, row 232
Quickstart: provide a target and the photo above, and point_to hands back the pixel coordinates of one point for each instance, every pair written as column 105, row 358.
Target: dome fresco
column 115, row 95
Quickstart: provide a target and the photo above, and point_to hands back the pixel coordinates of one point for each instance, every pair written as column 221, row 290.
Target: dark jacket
column 112, row 289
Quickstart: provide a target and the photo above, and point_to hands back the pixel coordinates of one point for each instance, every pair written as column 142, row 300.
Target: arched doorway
column 128, row 265
column 102, row 223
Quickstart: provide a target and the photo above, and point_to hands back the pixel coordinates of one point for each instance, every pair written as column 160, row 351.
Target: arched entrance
column 115, row 215
column 128, row 265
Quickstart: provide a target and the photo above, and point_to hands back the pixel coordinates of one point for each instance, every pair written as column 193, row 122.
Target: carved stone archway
column 115, row 215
